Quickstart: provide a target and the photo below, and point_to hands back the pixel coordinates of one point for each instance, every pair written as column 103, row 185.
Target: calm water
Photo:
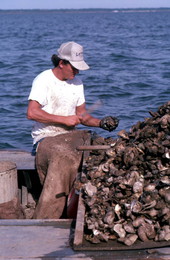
column 128, row 52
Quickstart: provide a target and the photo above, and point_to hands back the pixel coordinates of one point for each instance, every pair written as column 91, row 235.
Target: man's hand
column 109, row 123
column 72, row 120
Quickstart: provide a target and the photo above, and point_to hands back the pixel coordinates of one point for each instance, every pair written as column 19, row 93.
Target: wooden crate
column 80, row 243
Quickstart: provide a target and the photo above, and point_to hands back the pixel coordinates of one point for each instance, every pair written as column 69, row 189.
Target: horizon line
column 86, row 8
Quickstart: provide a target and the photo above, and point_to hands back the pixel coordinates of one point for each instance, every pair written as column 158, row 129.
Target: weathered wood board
column 23, row 159
column 50, row 239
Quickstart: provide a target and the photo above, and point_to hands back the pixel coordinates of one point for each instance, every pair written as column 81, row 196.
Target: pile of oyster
column 126, row 188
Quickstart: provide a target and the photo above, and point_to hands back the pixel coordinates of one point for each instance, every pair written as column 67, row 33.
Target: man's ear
column 60, row 64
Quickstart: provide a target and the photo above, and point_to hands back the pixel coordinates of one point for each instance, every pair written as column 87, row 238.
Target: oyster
column 129, row 240
column 126, row 189
column 118, row 228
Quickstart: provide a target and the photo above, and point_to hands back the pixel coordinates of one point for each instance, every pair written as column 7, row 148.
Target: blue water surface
column 128, row 53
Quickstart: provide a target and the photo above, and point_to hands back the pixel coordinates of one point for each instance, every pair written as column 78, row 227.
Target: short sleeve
column 38, row 90
column 81, row 99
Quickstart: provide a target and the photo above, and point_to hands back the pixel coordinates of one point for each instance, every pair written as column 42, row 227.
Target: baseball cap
column 73, row 52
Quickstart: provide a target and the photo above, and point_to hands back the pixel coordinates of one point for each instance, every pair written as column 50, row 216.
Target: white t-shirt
column 56, row 97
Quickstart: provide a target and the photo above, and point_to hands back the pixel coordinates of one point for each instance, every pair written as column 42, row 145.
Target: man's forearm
column 42, row 116
column 89, row 120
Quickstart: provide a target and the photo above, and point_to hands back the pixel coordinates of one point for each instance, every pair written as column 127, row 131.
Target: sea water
column 128, row 52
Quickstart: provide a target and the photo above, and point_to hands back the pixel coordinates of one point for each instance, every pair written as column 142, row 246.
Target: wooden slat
column 23, row 159
column 24, row 196
column 79, row 231
column 92, row 147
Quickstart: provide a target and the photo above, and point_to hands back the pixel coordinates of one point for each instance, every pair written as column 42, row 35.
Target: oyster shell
column 129, row 240
column 118, row 228
column 90, row 189
column 126, row 190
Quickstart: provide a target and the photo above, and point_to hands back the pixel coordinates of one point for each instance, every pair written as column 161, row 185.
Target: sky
column 76, row 4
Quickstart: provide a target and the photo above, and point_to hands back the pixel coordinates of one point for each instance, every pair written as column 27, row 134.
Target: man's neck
column 58, row 73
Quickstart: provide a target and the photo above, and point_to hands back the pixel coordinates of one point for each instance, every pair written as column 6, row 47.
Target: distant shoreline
column 91, row 10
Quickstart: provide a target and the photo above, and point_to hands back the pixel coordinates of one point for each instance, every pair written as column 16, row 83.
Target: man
column 57, row 104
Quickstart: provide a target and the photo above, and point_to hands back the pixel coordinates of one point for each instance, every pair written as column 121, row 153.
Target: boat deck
column 23, row 159
column 31, row 239
column 51, row 239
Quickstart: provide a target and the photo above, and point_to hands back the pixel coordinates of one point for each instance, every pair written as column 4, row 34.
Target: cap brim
column 80, row 65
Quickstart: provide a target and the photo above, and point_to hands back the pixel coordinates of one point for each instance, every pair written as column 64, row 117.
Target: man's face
column 69, row 71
